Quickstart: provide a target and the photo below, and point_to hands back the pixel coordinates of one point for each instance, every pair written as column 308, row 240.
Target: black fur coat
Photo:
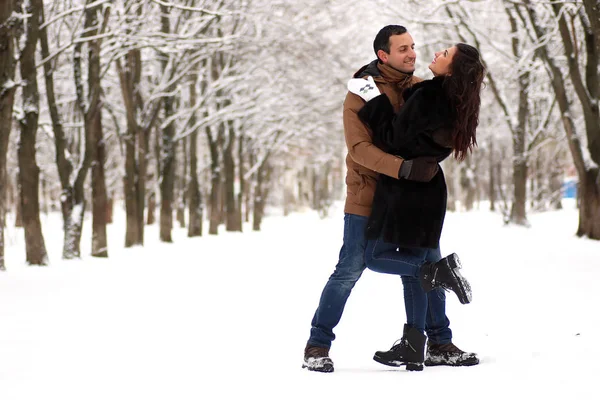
column 409, row 213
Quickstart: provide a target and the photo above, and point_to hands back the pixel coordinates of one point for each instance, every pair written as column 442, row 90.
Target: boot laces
column 401, row 343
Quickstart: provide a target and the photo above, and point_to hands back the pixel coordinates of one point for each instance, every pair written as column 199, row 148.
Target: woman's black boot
column 409, row 351
column 446, row 274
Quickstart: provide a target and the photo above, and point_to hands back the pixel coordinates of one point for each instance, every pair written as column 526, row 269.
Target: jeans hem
column 313, row 343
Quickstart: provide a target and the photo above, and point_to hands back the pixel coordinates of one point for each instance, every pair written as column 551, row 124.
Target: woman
column 439, row 117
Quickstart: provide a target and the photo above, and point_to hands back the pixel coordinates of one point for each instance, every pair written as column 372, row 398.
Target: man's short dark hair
column 382, row 40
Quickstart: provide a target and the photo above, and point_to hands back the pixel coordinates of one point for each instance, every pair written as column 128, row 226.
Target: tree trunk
column 467, row 183
column 259, row 205
column 136, row 143
column 249, row 187
column 194, row 195
column 29, row 172
column 132, row 230
column 74, row 206
column 555, row 184
column 232, row 221
column 167, row 181
column 221, row 201
column 110, row 203
column 63, row 162
column 242, row 179
column 132, row 233
column 492, row 184
column 533, row 182
column 180, row 213
column 7, row 93
column 75, row 211
column 289, row 201
column 99, row 197
column 46, row 198
column 518, row 214
column 16, row 200
column 182, row 192
column 94, row 124
column 151, row 209
column 143, row 144
column 540, row 185
column 215, row 181
column 263, row 174
column 589, row 208
column 152, row 200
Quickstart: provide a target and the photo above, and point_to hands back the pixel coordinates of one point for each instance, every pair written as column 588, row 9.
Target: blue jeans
column 350, row 267
column 421, row 308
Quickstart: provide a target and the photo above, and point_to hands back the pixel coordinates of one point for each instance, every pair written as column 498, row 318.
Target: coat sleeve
column 378, row 115
column 360, row 143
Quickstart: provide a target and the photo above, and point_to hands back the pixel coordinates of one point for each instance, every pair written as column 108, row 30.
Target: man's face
column 402, row 54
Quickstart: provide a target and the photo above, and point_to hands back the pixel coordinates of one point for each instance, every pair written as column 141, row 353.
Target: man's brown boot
column 449, row 354
column 317, row 359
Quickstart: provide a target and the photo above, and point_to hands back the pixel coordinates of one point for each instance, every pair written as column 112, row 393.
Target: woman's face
column 441, row 62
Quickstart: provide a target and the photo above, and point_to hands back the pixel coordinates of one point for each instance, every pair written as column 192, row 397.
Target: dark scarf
column 408, row 213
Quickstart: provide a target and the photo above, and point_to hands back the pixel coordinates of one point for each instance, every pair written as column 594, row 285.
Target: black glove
column 421, row 169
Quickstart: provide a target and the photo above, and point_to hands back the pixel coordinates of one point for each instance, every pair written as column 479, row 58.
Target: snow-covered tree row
column 212, row 110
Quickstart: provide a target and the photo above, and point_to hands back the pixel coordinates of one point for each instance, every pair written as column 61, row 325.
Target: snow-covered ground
column 227, row 317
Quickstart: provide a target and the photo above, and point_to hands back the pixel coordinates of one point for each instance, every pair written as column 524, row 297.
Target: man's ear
column 383, row 56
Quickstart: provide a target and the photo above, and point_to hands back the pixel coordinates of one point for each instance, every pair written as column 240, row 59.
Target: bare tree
column 72, row 195
column 261, row 192
column 140, row 120
column 232, row 223
column 95, row 22
column 167, row 181
column 194, row 195
column 7, row 92
column 518, row 213
column 29, row 171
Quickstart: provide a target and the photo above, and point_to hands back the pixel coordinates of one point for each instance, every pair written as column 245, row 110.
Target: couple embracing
column 398, row 128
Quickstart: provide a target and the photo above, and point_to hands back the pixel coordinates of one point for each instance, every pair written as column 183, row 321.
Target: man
column 392, row 72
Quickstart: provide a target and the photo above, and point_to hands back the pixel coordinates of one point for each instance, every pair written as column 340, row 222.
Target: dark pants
column 350, row 266
column 388, row 258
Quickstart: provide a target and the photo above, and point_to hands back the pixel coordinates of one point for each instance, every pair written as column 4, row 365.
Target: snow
column 227, row 317
column 9, row 84
column 30, row 107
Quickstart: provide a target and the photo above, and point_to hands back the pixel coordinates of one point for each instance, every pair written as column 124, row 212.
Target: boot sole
column 326, row 369
column 463, row 293
column 410, row 366
column 463, row 364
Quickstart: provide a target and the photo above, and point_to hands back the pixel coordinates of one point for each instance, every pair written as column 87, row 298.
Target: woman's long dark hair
column 463, row 86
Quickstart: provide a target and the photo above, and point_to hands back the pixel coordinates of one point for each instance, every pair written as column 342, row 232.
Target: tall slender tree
column 194, row 194
column 167, row 180
column 7, row 93
column 29, row 172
